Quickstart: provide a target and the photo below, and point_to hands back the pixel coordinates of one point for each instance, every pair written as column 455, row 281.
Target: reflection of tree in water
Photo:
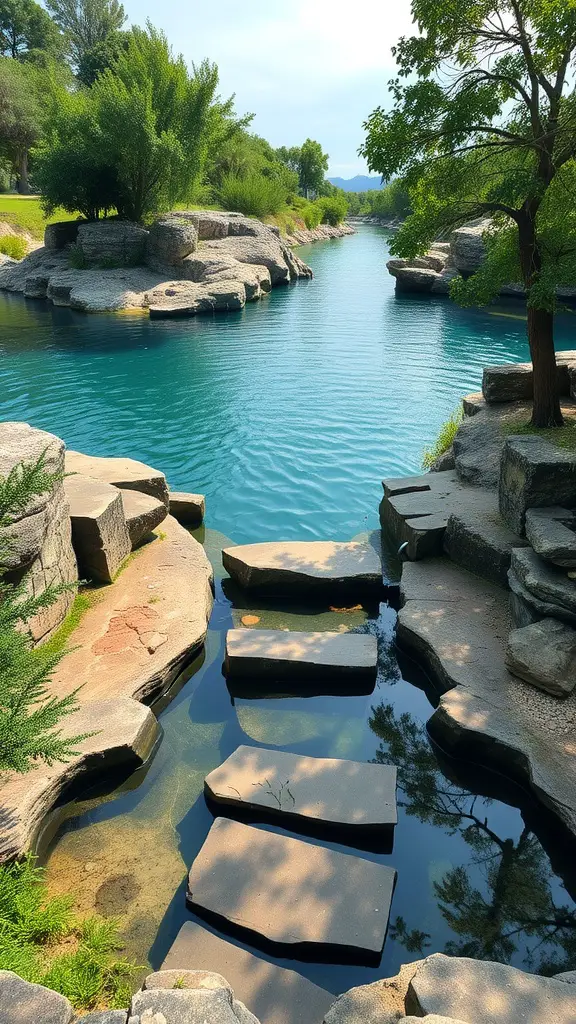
column 517, row 902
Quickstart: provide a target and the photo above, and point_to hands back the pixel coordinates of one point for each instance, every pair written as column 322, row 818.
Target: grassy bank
column 26, row 212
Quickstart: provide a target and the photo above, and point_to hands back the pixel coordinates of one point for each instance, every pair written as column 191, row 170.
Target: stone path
column 293, row 896
column 283, row 655
column 350, row 795
column 275, row 994
column 327, row 566
column 458, row 626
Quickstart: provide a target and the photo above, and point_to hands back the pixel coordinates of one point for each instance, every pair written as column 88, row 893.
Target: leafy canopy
column 25, row 29
column 483, row 122
column 86, row 23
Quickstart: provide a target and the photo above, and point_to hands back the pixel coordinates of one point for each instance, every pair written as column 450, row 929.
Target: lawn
column 26, row 212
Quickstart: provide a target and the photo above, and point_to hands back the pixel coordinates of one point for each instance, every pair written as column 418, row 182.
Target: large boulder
column 39, row 540
column 23, row 1003
column 266, row 250
column 534, row 473
column 209, row 224
column 61, row 234
column 514, row 382
column 467, row 247
column 112, row 243
column 199, row 1005
column 170, row 240
column 99, row 532
column 544, row 654
column 482, row 992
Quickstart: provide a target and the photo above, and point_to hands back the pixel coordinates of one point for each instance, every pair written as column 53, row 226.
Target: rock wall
column 40, row 539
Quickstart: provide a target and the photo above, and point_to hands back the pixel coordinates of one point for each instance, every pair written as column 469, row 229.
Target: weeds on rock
column 34, row 929
column 445, row 439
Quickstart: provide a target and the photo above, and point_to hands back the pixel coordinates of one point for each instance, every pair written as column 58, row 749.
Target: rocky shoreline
column 185, row 264
column 324, row 232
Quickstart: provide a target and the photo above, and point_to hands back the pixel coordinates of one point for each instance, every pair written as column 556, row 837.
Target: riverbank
column 323, row 233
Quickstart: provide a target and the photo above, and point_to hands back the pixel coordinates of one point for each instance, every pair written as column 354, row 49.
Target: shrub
column 312, row 215
column 14, row 246
column 31, row 922
column 333, row 209
column 254, row 195
column 444, row 440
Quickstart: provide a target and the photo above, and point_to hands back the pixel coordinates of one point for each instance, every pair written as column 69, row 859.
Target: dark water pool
column 287, row 416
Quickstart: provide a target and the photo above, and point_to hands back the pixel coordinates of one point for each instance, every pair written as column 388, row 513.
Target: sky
column 311, row 68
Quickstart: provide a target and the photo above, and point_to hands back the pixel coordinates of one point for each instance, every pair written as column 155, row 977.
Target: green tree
column 29, row 716
column 26, row 28
column 312, row 167
column 21, row 116
column 86, row 23
column 98, row 58
column 483, row 122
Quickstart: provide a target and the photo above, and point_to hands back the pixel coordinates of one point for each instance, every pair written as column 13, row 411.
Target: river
column 287, row 416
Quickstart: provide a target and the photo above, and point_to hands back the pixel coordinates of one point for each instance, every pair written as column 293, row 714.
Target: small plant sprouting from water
column 445, row 439
column 279, row 796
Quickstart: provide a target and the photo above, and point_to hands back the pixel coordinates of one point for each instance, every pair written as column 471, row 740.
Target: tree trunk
column 546, row 411
column 23, row 184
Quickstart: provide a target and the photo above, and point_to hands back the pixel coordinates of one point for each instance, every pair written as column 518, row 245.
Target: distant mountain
column 361, row 183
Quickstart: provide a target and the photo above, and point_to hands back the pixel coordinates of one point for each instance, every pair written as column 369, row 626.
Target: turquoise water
column 287, row 416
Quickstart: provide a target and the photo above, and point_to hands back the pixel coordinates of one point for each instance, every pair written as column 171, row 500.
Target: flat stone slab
column 143, row 513
column 350, row 795
column 123, row 731
column 328, row 565
column 552, row 534
column 275, row 994
column 127, row 473
column 511, row 382
column 100, row 535
column 416, row 510
column 141, row 631
column 479, row 540
column 544, row 655
column 526, row 608
column 273, row 652
column 188, row 509
column 457, row 625
column 545, row 581
column 301, row 900
column 483, row 992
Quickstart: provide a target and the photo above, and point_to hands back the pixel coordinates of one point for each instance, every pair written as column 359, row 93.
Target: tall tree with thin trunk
column 483, row 124
column 86, row 23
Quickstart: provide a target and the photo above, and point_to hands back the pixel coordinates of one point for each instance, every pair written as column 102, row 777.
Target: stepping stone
column 294, row 898
column 544, row 654
column 274, row 994
column 282, row 655
column 327, row 566
column 128, row 473
column 552, row 534
column 143, row 513
column 487, row 993
column 100, row 536
column 349, row 796
column 188, row 509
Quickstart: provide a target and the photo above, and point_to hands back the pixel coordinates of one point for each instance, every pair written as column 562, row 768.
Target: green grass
column 84, row 600
column 445, row 438
column 14, row 246
column 562, row 437
column 26, row 212
column 42, row 942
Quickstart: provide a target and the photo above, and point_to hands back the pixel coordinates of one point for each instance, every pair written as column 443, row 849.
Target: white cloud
column 312, row 68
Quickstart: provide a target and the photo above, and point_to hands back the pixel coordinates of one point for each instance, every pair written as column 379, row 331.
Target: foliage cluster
column 14, row 246
column 34, row 926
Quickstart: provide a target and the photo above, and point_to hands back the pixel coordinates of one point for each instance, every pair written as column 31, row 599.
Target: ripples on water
column 287, row 416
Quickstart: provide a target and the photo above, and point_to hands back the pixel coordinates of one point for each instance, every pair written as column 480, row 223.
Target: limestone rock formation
column 39, row 540
column 112, row 243
column 170, row 240
column 534, row 473
column 552, row 534
column 61, row 234
column 544, row 654
column 99, row 532
column 467, row 246
column 124, row 473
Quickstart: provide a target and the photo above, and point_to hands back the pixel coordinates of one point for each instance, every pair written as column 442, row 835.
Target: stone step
column 457, row 625
column 552, row 533
column 120, row 472
column 534, row 473
column 188, row 509
column 276, row 995
column 512, row 382
column 315, row 566
column 283, row 655
column 291, row 897
column 100, row 535
column 546, row 582
column 349, row 797
column 143, row 514
column 479, row 540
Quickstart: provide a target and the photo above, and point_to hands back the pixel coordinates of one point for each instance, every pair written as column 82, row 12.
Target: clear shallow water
column 287, row 416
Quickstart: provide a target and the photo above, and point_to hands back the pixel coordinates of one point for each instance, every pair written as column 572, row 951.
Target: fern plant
column 29, row 716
